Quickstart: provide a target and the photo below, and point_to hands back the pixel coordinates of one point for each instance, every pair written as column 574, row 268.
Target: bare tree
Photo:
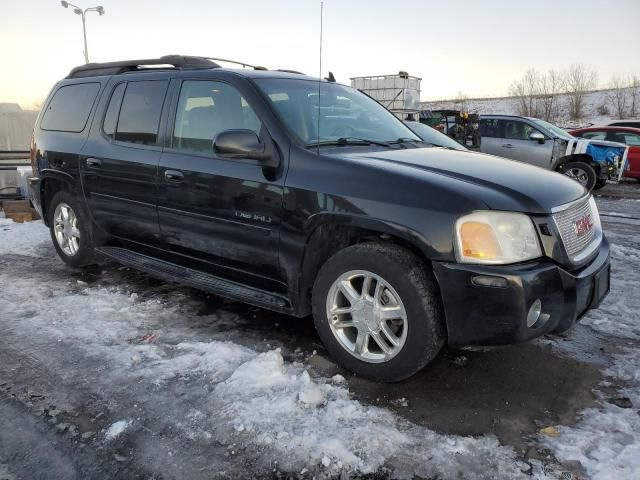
column 461, row 101
column 519, row 92
column 550, row 86
column 526, row 90
column 618, row 95
column 579, row 79
column 634, row 92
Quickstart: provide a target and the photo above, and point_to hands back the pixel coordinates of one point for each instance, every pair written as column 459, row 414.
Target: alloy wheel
column 67, row 232
column 367, row 316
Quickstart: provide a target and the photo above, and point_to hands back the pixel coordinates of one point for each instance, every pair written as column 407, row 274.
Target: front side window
column 516, row 130
column 331, row 113
column 140, row 112
column 206, row 108
column 69, row 109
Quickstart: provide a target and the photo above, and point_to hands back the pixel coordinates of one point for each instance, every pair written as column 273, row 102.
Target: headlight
column 491, row 237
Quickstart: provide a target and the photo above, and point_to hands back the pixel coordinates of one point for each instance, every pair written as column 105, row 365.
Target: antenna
column 319, row 80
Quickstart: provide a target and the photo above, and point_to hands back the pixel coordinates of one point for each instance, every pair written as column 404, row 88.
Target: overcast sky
column 470, row 46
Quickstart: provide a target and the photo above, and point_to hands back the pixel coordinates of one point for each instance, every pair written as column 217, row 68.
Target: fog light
column 534, row 313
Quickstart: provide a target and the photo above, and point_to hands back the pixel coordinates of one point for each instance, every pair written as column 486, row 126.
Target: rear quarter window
column 69, row 109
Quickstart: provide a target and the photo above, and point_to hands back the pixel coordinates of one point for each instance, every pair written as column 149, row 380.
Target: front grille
column 578, row 246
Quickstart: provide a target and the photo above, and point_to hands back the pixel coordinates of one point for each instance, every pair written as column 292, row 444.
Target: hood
column 500, row 183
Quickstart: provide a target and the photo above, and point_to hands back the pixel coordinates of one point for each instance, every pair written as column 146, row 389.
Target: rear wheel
column 582, row 173
column 377, row 311
column 71, row 230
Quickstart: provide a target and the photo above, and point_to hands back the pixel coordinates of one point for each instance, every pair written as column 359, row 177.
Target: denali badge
column 583, row 225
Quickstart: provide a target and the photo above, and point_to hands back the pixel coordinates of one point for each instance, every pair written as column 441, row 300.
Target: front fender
column 380, row 226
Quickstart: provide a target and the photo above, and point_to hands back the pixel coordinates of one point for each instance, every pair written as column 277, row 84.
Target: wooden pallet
column 19, row 210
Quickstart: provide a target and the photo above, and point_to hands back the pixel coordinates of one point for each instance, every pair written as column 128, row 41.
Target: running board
column 197, row 279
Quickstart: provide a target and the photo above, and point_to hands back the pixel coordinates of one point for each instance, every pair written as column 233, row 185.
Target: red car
column 627, row 135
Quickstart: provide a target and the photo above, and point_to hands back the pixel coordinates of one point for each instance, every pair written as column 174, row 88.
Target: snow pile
column 116, row 429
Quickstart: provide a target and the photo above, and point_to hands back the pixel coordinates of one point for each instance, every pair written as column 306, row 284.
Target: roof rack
column 114, row 68
column 235, row 62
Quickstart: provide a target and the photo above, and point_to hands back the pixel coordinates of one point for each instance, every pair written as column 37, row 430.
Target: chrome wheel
column 367, row 316
column 65, row 224
column 578, row 174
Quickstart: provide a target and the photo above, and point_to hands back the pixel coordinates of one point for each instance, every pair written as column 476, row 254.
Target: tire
column 405, row 288
column 79, row 251
column 599, row 184
column 582, row 173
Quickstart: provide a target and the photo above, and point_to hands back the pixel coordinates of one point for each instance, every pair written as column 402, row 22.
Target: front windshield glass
column 553, row 128
column 433, row 136
column 344, row 112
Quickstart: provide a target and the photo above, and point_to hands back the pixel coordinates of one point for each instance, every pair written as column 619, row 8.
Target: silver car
column 534, row 141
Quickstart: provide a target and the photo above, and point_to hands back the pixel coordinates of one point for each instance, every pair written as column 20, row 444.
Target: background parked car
column 622, row 123
column 545, row 145
column 433, row 136
column 628, row 136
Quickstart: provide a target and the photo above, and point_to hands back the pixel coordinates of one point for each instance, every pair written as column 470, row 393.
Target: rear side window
column 111, row 117
column 140, row 112
column 69, row 109
column 491, row 127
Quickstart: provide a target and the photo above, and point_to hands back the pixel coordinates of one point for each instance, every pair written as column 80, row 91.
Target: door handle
column 93, row 163
column 173, row 175
column 507, row 145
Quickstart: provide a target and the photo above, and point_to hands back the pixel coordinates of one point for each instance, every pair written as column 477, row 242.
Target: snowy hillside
column 596, row 103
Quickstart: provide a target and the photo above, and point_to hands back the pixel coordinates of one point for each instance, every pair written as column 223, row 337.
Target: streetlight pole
column 83, row 13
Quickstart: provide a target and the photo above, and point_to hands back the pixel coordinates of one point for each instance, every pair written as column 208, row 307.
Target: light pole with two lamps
column 78, row 11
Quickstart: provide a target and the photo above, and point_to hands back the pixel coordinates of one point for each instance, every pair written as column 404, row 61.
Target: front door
column 217, row 209
column 119, row 163
column 518, row 145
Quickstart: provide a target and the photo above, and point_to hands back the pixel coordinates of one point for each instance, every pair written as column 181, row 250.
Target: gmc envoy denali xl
column 305, row 196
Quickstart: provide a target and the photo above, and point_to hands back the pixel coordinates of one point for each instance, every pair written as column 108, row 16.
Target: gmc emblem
column 583, row 225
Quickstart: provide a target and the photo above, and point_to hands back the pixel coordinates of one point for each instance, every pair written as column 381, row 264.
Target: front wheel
column 582, row 173
column 71, row 230
column 377, row 311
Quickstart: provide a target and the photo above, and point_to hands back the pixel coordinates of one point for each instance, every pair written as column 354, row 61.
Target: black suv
column 305, row 196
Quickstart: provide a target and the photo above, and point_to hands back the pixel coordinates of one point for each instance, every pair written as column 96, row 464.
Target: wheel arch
column 53, row 181
column 330, row 233
column 578, row 157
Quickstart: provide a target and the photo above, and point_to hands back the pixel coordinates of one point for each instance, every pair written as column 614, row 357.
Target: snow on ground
column 606, row 440
column 509, row 106
column 256, row 399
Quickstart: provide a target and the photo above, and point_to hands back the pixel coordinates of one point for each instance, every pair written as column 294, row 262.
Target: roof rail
column 286, row 70
column 235, row 62
column 114, row 68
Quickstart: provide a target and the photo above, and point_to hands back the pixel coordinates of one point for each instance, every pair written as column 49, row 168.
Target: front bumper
column 484, row 315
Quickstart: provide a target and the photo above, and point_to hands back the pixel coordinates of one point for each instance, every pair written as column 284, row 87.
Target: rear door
column 119, row 168
column 632, row 140
column 492, row 134
column 224, row 211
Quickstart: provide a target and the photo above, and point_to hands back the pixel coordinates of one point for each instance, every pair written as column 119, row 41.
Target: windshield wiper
column 408, row 140
column 345, row 141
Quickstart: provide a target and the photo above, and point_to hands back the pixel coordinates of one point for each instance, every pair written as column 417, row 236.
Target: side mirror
column 537, row 136
column 243, row 144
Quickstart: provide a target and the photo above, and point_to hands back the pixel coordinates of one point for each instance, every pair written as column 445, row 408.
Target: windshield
column 433, row 136
column 344, row 112
column 553, row 128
